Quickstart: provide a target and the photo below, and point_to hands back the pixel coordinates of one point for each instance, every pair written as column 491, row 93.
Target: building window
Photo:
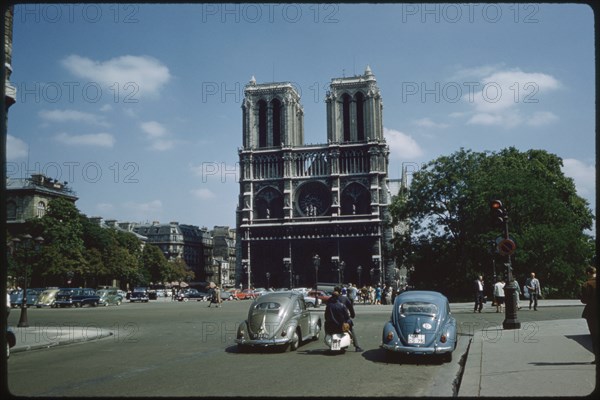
column 11, row 211
column 346, row 116
column 40, row 209
column 276, row 106
column 360, row 121
column 262, row 123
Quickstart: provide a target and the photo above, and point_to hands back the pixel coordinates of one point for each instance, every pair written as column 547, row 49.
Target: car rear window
column 417, row 307
column 268, row 305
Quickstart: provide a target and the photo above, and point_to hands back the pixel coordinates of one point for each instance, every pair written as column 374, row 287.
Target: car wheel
column 118, row 302
column 185, row 299
column 317, row 332
column 76, row 305
column 447, row 357
column 295, row 342
column 7, row 350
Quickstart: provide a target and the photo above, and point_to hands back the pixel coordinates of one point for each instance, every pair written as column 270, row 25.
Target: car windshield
column 418, row 307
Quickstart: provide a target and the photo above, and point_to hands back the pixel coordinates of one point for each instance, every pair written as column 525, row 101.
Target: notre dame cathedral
column 313, row 213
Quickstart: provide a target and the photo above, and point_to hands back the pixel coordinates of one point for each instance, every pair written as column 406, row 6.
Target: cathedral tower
column 354, row 109
column 272, row 115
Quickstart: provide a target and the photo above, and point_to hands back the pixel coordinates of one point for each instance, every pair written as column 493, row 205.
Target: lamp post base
column 510, row 320
column 23, row 323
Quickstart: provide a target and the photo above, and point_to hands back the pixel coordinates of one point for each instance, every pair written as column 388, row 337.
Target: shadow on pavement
column 584, row 340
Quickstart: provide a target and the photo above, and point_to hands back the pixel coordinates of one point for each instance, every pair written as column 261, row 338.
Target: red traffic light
column 496, row 205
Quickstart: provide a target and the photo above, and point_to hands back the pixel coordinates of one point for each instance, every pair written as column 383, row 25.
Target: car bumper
column 263, row 342
column 398, row 348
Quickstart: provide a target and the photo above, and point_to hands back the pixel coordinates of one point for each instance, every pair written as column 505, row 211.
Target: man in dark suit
column 479, row 296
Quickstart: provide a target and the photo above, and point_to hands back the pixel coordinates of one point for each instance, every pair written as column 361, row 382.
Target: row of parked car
column 67, row 297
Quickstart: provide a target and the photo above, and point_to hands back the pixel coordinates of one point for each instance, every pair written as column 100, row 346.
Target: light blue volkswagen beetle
column 421, row 323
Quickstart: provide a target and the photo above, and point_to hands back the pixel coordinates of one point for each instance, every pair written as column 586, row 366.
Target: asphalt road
column 167, row 348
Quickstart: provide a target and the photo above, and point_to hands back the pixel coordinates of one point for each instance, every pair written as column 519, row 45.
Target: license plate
column 336, row 344
column 416, row 339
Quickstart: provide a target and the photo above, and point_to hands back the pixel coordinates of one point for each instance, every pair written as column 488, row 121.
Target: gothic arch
column 268, row 203
column 356, row 199
column 277, row 121
column 360, row 116
column 262, row 123
column 346, row 117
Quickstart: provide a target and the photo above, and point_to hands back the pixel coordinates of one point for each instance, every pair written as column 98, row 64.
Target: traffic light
column 498, row 212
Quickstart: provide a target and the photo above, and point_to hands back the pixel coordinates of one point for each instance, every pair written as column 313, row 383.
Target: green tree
column 154, row 263
column 63, row 246
column 449, row 234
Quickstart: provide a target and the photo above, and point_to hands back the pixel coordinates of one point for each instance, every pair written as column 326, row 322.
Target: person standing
column 517, row 294
column 499, row 294
column 479, row 296
column 590, row 311
column 533, row 287
column 353, row 295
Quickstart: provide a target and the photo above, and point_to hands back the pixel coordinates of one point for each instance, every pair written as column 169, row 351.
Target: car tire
column 185, row 299
column 447, row 357
column 295, row 342
column 318, row 332
column 7, row 351
column 118, row 302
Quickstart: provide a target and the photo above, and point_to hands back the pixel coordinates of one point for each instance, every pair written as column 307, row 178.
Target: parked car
column 192, row 294
column 47, row 298
column 139, row 294
column 77, row 297
column 16, row 297
column 321, row 295
column 109, row 297
column 243, row 294
column 11, row 340
column 278, row 319
column 421, row 323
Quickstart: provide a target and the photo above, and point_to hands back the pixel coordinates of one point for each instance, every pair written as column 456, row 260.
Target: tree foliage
column 449, row 236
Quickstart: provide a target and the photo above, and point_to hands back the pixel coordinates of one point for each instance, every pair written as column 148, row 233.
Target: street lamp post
column 30, row 247
column 316, row 262
column 268, row 274
column 335, row 260
column 359, row 270
column 506, row 247
column 287, row 265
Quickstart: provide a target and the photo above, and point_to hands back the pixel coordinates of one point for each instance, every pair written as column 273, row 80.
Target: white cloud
column 429, row 123
column 72, row 116
column 542, row 118
column 158, row 135
column 91, row 139
column 134, row 76
column 583, row 174
column 143, row 209
column 203, row 194
column 499, row 96
column 402, row 146
column 15, row 148
column 153, row 129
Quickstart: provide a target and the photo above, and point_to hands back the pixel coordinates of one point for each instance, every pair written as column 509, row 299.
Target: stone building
column 189, row 242
column 301, row 202
column 28, row 198
column 222, row 270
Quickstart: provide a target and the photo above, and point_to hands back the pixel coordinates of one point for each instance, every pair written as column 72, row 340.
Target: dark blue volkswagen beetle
column 421, row 323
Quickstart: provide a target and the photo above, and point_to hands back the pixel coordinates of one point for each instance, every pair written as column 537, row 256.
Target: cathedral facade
column 313, row 213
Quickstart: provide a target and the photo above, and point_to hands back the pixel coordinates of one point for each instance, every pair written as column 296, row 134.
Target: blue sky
column 137, row 106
